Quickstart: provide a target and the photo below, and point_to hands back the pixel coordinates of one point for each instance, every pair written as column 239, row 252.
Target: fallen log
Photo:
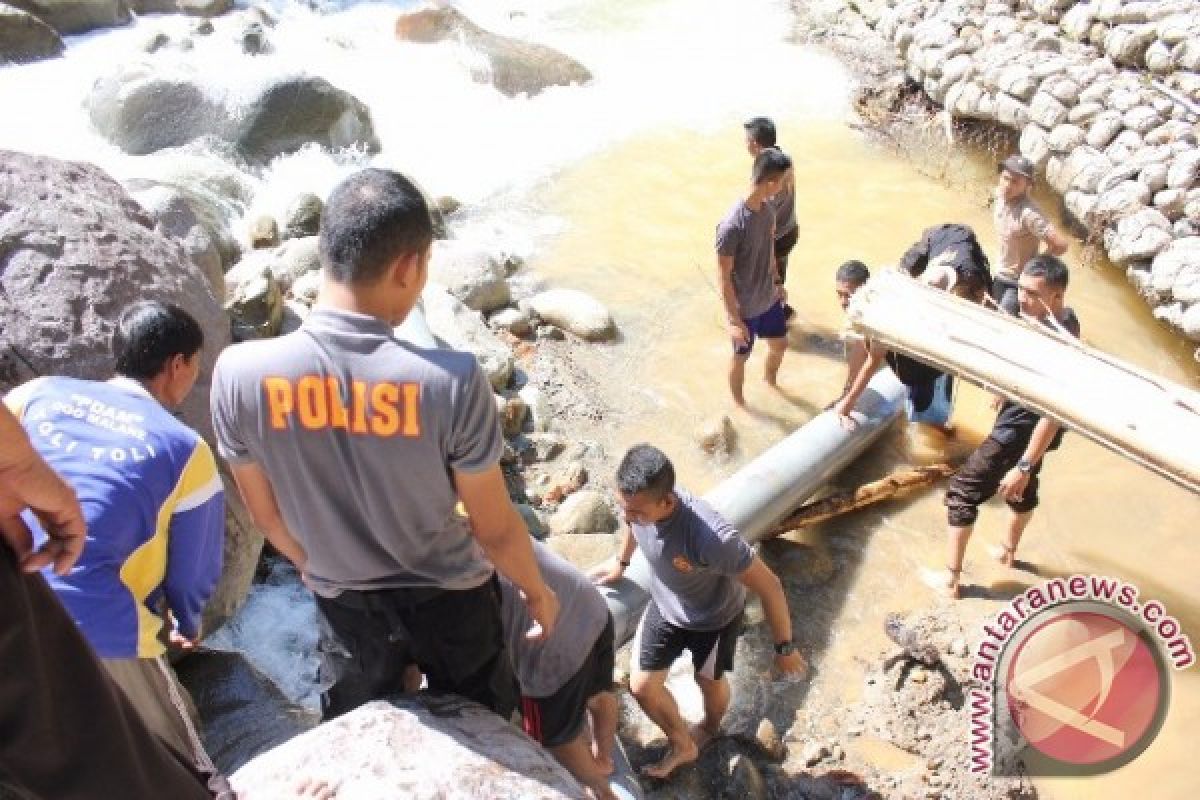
column 847, row 500
column 1139, row 415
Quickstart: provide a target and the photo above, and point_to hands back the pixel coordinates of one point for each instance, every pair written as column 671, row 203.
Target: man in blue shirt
column 153, row 503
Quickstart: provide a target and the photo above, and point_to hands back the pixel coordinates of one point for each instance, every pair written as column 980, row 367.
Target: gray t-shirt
column 748, row 236
column 544, row 667
column 359, row 433
column 695, row 556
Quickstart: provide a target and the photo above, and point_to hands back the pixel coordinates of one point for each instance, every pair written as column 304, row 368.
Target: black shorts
column 658, row 644
column 558, row 719
column 368, row 639
column 978, row 479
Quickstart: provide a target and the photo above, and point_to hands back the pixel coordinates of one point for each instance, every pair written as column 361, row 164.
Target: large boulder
column 25, row 38
column 76, row 16
column 200, row 227
column 471, row 274
column 583, row 512
column 575, row 311
column 1140, row 236
column 443, row 747
column 1173, row 261
column 516, row 67
column 75, row 249
column 143, row 108
column 460, row 328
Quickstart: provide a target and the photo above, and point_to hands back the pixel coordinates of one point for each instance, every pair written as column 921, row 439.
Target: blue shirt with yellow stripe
column 153, row 502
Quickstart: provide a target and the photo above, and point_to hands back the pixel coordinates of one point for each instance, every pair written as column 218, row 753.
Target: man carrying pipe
column 701, row 568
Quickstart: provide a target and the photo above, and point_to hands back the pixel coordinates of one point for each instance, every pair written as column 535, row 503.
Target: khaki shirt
column 1021, row 226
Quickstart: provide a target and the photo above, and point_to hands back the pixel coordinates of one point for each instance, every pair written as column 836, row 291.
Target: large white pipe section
column 771, row 486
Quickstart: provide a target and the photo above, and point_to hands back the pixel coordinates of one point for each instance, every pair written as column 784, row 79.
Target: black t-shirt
column 1016, row 423
column 968, row 257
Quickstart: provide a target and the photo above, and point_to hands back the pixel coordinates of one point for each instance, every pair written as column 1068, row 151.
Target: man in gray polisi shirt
column 352, row 450
column 701, row 568
column 751, row 289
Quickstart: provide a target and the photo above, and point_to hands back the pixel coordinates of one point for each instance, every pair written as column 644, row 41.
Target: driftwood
column 1135, row 413
column 849, row 500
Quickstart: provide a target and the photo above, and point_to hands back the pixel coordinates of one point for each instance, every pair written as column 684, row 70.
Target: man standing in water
column 1010, row 459
column 353, row 448
column 1021, row 228
column 701, row 568
column 751, row 289
column 760, row 134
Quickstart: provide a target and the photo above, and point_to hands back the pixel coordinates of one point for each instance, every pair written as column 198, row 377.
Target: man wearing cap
column 1021, row 227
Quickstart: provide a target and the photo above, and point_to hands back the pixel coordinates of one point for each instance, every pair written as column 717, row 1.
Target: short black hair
column 768, row 164
column 370, row 219
column 645, row 468
column 761, row 130
column 149, row 334
column 1049, row 268
column 854, row 272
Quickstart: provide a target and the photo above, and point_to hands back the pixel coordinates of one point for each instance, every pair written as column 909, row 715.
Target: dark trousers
column 977, row 480
column 783, row 248
column 66, row 731
column 368, row 639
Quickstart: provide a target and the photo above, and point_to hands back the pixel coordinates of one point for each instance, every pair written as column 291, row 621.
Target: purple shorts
column 771, row 324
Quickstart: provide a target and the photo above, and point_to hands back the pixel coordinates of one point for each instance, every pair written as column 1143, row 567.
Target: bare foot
column 944, row 582
column 1004, row 554
column 701, row 735
column 675, row 758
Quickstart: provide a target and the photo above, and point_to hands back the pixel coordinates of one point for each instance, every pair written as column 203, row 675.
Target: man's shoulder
column 258, row 356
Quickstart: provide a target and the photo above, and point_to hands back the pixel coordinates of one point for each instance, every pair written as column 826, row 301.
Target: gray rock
column 1046, row 111
column 1085, row 168
column 1184, row 170
column 1126, row 198
column 451, row 748
column 1171, row 314
column 1017, row 80
column 957, row 68
column 1173, row 259
column 1175, row 28
column 1142, row 119
column 539, row 407
column 143, row 109
column 1158, row 58
column 1011, row 111
column 513, row 412
column 254, row 300
column 1033, row 145
column 717, row 435
column 1104, row 128
column 254, row 40
column 306, row 288
column 1170, row 202
column 1096, row 92
column 25, row 38
column 76, row 16
column 1190, row 323
column 157, row 41
column 1065, row 138
column 1186, row 54
column 1127, row 44
column 583, row 512
column 200, row 226
column 294, row 259
column 1084, row 113
column 471, row 274
column 1186, row 288
column 264, row 232
column 1077, row 21
column 204, row 8
column 1080, row 205
column 515, row 67
column 1154, row 176
column 1140, row 236
column 1170, row 131
column 513, row 320
column 1185, row 227
column 575, row 311
column 1121, row 172
column 303, row 217
column 584, row 550
column 743, row 781
column 1064, row 90
column 461, row 328
column 202, row 27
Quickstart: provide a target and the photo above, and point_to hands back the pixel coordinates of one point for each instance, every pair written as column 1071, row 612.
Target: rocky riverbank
column 1103, row 96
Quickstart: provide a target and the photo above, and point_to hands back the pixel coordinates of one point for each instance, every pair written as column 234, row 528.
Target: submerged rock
column 423, row 746
column 25, row 38
column 912, row 639
column 576, row 312
column 516, row 67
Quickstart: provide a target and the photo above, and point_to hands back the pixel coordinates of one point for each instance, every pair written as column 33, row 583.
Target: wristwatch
column 1025, row 466
column 784, row 648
